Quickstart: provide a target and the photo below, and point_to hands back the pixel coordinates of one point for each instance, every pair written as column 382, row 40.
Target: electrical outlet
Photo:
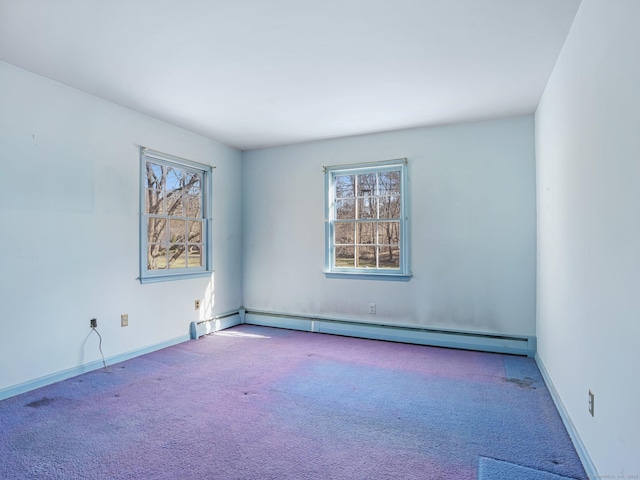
column 124, row 320
column 591, row 403
column 372, row 308
column 93, row 323
column 197, row 304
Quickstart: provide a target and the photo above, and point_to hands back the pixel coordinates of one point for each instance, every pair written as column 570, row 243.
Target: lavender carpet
column 263, row 403
column 490, row 469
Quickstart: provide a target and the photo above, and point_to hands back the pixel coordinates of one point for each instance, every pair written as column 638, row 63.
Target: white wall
column 69, row 203
column 588, row 188
column 472, row 198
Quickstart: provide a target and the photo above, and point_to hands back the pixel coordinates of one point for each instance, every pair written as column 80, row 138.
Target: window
column 174, row 225
column 366, row 219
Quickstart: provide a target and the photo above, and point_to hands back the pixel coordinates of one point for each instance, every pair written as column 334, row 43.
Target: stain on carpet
column 522, row 371
column 43, row 402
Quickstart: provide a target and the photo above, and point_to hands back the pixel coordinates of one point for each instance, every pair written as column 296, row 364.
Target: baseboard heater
column 497, row 343
column 214, row 324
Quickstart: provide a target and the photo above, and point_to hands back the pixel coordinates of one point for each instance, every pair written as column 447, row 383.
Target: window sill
column 177, row 276
column 398, row 277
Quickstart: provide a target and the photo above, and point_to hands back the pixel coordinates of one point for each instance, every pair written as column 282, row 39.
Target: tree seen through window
column 173, row 207
column 367, row 217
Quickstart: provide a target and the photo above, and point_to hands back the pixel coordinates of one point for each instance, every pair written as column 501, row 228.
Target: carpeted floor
column 263, row 403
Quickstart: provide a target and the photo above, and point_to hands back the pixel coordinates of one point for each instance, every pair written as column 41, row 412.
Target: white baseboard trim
column 86, row 367
column 588, row 465
column 496, row 343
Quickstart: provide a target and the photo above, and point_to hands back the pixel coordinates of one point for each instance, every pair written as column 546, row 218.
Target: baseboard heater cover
column 496, row 343
column 214, row 324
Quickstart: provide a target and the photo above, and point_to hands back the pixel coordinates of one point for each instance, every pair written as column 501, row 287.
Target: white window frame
column 148, row 275
column 331, row 172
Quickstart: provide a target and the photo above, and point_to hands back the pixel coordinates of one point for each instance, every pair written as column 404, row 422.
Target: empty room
column 319, row 240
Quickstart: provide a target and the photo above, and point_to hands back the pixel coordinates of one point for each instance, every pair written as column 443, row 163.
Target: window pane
column 367, row 185
column 175, row 179
column 155, row 176
column 177, row 256
column 194, row 256
column 344, row 233
column 153, row 202
column 156, row 257
column 366, row 233
column 156, row 230
column 345, row 209
column 193, row 183
column 345, row 186
column 389, row 257
column 366, row 257
column 368, row 207
column 174, row 203
column 174, row 187
column 177, row 231
column 192, row 206
column 389, row 233
column 195, row 232
column 344, row 257
column 389, row 183
column 390, row 207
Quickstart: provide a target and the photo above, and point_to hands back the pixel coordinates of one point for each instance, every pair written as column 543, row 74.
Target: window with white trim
column 174, row 224
column 366, row 219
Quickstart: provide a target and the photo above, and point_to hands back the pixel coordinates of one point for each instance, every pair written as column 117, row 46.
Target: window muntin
column 174, row 226
column 366, row 225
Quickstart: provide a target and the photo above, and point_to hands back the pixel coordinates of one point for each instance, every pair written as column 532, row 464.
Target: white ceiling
column 257, row 73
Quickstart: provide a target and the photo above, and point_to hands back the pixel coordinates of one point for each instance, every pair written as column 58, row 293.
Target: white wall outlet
column 197, row 304
column 372, row 308
column 124, row 320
